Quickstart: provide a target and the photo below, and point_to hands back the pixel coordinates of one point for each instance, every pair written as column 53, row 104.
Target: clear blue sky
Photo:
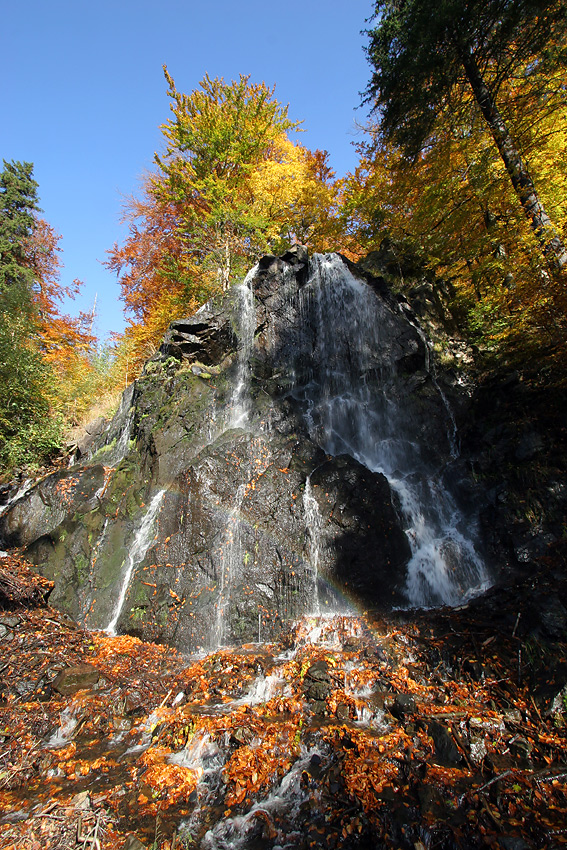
column 82, row 96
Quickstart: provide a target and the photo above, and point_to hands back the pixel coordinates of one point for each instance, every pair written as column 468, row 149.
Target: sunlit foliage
column 229, row 187
column 454, row 205
column 428, row 60
column 44, row 354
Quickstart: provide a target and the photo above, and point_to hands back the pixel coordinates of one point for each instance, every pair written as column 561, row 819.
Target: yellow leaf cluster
column 455, row 208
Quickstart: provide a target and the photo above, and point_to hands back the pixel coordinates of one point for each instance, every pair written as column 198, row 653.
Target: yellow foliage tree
column 229, row 187
column 454, row 205
column 294, row 194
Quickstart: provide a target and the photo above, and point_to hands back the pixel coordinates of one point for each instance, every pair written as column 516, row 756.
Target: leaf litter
column 418, row 730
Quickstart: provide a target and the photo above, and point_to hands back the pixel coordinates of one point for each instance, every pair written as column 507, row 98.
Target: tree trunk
column 541, row 224
column 227, row 264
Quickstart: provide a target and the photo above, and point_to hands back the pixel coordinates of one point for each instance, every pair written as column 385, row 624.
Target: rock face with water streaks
column 302, row 444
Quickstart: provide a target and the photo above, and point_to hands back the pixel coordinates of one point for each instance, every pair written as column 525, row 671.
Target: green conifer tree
column 26, row 432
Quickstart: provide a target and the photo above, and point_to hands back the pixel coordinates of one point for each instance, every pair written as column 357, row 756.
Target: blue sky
column 82, row 96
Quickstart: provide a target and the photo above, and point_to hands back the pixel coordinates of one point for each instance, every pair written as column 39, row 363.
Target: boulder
column 207, row 337
column 446, row 751
column 73, row 679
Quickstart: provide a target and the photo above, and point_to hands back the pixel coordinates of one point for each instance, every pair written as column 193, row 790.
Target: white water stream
column 239, row 407
column 238, row 417
column 136, row 554
column 313, row 523
column 230, row 559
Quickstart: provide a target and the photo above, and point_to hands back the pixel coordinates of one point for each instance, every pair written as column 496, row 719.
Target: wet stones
column 5, row 633
column 431, row 802
column 134, row 703
column 553, row 616
column 73, row 679
column 446, row 751
column 317, row 686
column 7, row 626
column 314, row 769
column 10, row 621
column 403, row 705
column 133, row 843
column 242, row 736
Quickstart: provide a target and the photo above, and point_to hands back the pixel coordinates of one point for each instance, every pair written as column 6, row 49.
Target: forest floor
column 443, row 729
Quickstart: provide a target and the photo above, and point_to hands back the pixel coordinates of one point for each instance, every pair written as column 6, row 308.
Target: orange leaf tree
column 229, row 186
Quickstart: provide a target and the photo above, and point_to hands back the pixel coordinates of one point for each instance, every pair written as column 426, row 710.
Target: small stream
column 138, row 549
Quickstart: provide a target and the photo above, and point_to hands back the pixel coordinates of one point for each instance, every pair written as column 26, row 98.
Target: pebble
column 10, row 621
column 81, row 800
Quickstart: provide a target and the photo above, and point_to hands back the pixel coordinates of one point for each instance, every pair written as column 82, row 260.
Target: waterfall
column 230, row 559
column 136, row 554
column 120, row 450
column 239, row 409
column 354, row 404
column 313, row 522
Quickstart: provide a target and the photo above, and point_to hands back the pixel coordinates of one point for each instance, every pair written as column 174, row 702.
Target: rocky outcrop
column 247, row 522
column 515, row 442
column 206, row 337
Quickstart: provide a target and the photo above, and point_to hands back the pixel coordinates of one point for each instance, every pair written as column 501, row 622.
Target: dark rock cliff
column 252, row 522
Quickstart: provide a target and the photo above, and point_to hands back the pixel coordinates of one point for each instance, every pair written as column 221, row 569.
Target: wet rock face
column 246, row 540
column 256, row 524
column 515, row 441
column 368, row 549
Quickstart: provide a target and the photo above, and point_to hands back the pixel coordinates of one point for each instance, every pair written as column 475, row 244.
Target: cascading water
column 239, row 408
column 19, row 494
column 348, row 337
column 136, row 554
column 239, row 412
column 313, row 542
column 231, row 557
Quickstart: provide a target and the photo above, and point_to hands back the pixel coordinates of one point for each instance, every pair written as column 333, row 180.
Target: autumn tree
column 424, row 57
column 217, row 137
column 40, row 349
column 294, row 195
column 229, row 186
column 159, row 277
column 454, row 209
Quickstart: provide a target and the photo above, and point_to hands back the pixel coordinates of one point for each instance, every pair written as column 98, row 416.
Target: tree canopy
column 18, row 205
column 426, row 58
column 229, row 186
column 217, row 137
